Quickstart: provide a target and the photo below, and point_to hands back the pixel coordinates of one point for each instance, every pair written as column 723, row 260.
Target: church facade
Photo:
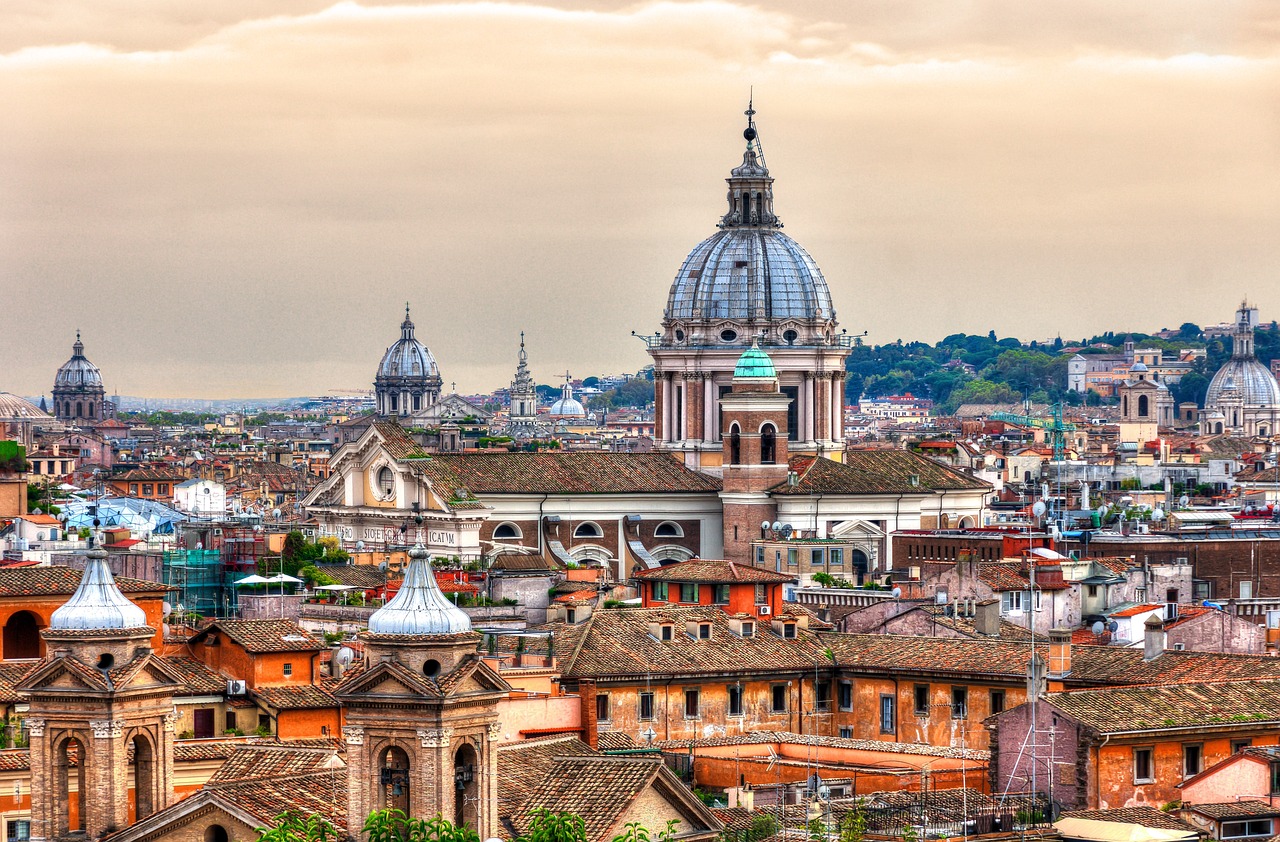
column 1243, row 398
column 409, row 389
column 79, row 398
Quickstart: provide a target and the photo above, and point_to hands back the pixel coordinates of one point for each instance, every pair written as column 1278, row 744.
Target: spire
column 78, row 348
column 750, row 186
column 419, row 607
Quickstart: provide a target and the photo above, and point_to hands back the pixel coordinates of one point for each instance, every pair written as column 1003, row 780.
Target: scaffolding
column 201, row 583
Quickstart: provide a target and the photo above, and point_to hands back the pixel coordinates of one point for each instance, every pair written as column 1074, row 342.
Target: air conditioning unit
column 764, row 610
column 236, row 688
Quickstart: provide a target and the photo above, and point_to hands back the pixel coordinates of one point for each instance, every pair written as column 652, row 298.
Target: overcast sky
column 235, row 199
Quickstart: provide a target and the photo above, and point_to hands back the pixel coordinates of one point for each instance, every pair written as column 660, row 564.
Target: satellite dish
column 1184, row 501
column 1039, row 508
column 1157, row 513
column 275, row 513
column 1097, row 628
column 1102, row 510
column 167, row 608
column 382, row 565
column 345, row 656
column 359, row 545
column 824, row 792
column 787, row 530
column 764, row 525
column 1113, row 626
column 897, row 592
column 777, row 526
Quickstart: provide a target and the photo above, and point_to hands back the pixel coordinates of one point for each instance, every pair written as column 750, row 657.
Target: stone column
column 710, row 426
column 660, row 407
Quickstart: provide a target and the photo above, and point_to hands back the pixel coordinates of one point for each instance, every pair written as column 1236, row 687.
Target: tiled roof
column 965, row 625
column 599, row 789
column 255, row 762
column 1096, row 665
column 199, row 679
column 883, row 746
column 264, row 635
column 397, row 441
column 296, row 697
column 61, row 581
column 1129, row 709
column 1235, row 809
column 147, row 475
column 1135, row 610
column 713, row 571
column 365, row 576
column 522, row 765
column 562, row 473
column 323, row 793
column 11, row 675
column 875, row 472
column 618, row 643
column 615, row 741
column 1144, row 816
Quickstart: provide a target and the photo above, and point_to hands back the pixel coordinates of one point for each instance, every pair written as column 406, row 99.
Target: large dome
column 14, row 407
column 749, row 273
column 78, row 372
column 408, row 357
column 1249, row 379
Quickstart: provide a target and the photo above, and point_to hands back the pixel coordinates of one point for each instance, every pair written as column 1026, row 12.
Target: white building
column 200, row 497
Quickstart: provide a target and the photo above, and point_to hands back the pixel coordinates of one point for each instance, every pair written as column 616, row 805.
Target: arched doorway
column 394, row 770
column 859, row 562
column 21, row 636
column 735, row 445
column 68, row 782
column 215, row 833
column 466, row 802
column 144, row 784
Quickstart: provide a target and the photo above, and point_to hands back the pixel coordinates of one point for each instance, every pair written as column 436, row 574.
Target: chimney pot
column 1153, row 639
column 1059, row 652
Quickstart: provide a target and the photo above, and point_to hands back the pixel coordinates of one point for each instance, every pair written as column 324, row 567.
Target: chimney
column 587, row 703
column 986, row 619
column 1059, row 653
column 1153, row 640
column 335, row 666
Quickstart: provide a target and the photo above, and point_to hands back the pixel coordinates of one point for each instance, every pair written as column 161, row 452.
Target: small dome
column 13, row 407
column 97, row 602
column 408, row 358
column 78, row 371
column 755, row 364
column 1138, row 366
column 568, row 407
column 419, row 607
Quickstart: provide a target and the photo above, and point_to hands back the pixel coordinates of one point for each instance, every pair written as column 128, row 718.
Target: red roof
column 1135, row 610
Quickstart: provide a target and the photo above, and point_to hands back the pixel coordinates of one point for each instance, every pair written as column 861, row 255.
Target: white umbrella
column 283, row 577
column 252, row 579
column 335, row 587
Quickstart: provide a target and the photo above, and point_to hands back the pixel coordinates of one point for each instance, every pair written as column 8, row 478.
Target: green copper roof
column 755, row 363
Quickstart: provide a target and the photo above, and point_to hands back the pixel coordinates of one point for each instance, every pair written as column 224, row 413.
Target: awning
column 1095, row 830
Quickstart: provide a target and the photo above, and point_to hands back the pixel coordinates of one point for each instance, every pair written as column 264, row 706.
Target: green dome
column 755, row 363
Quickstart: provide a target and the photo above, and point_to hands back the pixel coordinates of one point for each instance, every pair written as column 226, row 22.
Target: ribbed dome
column 97, row 602
column 749, row 273
column 567, row 407
column 12, row 406
column 1247, row 378
column 419, row 607
column 408, row 357
column 78, row 371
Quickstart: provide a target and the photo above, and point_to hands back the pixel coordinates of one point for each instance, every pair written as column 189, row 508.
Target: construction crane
column 1050, row 421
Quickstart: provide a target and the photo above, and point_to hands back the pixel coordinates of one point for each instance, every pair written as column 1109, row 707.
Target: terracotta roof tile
column 199, row 679
column 875, row 472
column 1144, row 816
column 599, row 789
column 523, row 765
column 709, row 570
column 1232, row 809
column 562, row 473
column 61, row 581
column 263, row 635
column 296, row 697
column 1200, row 705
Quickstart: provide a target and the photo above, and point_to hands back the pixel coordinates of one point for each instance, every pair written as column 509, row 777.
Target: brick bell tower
column 754, row 431
column 101, row 715
column 422, row 717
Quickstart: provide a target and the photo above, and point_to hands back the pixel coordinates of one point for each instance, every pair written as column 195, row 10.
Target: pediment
column 388, row 679
column 856, row 529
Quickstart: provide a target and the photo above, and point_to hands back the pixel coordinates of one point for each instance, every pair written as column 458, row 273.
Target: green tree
column 295, row 543
column 394, row 825
column 547, row 826
column 295, row 827
column 853, row 827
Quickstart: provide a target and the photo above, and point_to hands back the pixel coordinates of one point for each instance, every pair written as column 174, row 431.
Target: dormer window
column 704, row 631
column 662, row 630
column 748, row 629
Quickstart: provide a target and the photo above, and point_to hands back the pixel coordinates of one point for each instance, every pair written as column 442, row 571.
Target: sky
column 236, row 199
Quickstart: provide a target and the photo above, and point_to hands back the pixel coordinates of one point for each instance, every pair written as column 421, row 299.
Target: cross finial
column 522, row 339
column 406, row 310
column 751, row 111
column 453, row 386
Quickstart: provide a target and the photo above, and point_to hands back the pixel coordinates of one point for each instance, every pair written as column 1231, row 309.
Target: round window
column 790, row 336
column 679, row 335
column 431, row 668
column 728, row 335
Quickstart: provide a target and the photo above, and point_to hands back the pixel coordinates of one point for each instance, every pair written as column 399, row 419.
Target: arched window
column 588, row 530
column 466, row 775
column 143, row 778
column 21, row 636
column 507, row 532
column 395, row 403
column 394, row 780
column 735, row 446
column 69, row 759
column 215, row 833
column 1217, row 428
column 79, row 409
column 386, row 480
column 91, row 415
column 417, row 402
column 668, row 529
column 768, row 445
column 1124, row 408
column 1144, row 406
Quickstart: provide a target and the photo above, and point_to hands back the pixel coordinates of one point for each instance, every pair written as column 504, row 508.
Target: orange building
column 30, row 595
column 736, row 589
column 146, row 484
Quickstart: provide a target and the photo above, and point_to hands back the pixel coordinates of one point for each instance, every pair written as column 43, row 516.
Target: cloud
column 236, row 198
